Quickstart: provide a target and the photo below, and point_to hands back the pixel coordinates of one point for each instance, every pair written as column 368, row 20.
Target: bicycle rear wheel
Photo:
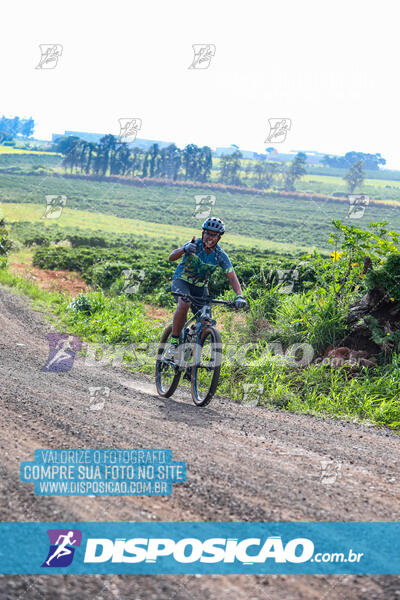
column 207, row 367
column 167, row 373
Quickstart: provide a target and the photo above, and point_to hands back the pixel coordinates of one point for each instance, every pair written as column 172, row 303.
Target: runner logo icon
column 62, row 349
column 61, row 551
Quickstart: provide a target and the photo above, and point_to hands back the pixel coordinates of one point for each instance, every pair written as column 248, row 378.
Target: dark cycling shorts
column 184, row 287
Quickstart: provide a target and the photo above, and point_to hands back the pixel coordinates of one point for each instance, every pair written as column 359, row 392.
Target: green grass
column 165, row 215
column 107, row 320
column 340, row 182
column 370, row 396
column 13, row 150
column 98, row 223
column 44, row 299
column 378, row 190
column 286, row 224
column 21, row 255
column 279, row 223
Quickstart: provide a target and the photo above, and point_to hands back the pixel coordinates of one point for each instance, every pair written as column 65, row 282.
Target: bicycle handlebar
column 205, row 300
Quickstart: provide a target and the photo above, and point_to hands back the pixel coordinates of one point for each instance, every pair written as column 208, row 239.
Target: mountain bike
column 199, row 354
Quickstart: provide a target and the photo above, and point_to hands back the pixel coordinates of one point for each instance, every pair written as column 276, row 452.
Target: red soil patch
column 55, row 281
column 157, row 313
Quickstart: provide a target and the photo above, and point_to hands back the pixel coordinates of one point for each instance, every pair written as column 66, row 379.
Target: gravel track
column 243, row 464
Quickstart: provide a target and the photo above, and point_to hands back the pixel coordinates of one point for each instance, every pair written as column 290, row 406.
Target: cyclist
column 201, row 256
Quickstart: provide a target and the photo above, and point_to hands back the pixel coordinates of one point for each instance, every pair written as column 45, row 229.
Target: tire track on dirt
column 243, row 464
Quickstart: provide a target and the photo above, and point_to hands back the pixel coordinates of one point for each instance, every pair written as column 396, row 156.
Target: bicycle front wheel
column 167, row 373
column 207, row 367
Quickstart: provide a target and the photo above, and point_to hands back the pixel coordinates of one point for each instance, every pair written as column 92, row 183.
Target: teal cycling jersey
column 198, row 268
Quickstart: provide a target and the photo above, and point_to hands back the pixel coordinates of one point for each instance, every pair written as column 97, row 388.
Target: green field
column 377, row 189
column 10, row 150
column 279, row 223
column 276, row 223
column 339, row 182
column 110, row 224
column 162, row 216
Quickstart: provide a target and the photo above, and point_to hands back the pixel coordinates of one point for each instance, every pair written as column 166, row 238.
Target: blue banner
column 208, row 548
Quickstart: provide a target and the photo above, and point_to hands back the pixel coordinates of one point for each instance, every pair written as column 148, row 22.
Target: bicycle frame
column 203, row 317
column 192, row 341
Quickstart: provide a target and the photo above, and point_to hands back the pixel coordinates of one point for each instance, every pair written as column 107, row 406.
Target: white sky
column 331, row 67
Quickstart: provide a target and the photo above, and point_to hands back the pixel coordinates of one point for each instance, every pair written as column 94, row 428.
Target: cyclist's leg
column 180, row 315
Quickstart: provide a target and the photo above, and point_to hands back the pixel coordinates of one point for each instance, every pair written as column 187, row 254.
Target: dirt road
column 242, row 464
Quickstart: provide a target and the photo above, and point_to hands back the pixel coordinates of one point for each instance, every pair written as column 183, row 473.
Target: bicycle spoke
column 167, row 372
column 205, row 370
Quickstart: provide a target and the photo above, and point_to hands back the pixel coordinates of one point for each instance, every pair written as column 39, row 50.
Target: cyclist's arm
column 234, row 281
column 175, row 254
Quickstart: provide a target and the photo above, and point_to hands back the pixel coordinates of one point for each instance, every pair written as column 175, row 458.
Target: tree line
column 192, row 163
column 262, row 173
column 10, row 128
column 370, row 161
column 113, row 157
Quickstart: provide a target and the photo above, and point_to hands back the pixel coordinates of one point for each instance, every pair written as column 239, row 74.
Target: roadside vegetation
column 264, row 361
column 316, row 284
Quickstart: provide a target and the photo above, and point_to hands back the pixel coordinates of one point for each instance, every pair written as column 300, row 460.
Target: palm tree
column 91, row 147
column 230, row 168
column 154, row 151
column 205, row 163
column 107, row 144
column 71, row 155
column 145, row 164
column 189, row 161
column 82, row 158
